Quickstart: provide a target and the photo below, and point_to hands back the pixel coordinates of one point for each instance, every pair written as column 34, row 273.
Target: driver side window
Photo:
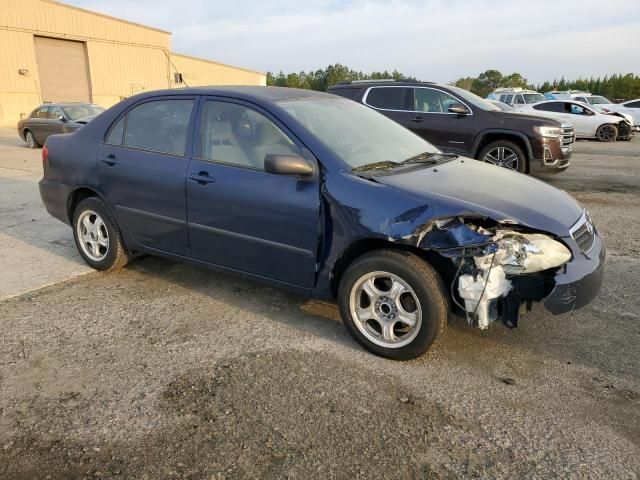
column 239, row 135
column 432, row 101
column 577, row 110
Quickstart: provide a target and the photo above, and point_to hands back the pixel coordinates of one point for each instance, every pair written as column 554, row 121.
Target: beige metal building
column 51, row 52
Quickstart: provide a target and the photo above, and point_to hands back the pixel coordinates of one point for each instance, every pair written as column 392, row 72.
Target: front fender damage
column 500, row 266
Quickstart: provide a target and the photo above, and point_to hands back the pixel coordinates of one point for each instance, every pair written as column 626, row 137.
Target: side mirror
column 293, row 165
column 61, row 118
column 458, row 108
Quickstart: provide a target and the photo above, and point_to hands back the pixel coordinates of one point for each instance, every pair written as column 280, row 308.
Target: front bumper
column 579, row 281
column 550, row 156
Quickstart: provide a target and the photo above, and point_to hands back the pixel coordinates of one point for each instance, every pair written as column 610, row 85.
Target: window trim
column 197, row 138
column 190, row 127
column 366, row 94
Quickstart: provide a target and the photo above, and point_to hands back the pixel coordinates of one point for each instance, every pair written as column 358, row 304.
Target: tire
column 30, row 138
column 423, row 301
column 97, row 236
column 607, row 133
column 491, row 154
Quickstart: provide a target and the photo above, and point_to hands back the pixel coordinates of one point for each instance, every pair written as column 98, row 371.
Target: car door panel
column 241, row 217
column 146, row 188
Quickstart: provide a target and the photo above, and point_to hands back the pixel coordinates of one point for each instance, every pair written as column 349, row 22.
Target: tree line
column 616, row 86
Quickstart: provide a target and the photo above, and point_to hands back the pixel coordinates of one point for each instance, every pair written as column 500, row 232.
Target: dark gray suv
column 458, row 121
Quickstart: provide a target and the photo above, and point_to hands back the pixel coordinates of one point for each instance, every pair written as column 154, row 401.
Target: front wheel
column 30, row 138
column 607, row 133
column 393, row 303
column 506, row 154
column 97, row 236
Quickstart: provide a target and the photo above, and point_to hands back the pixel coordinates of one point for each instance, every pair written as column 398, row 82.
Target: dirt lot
column 168, row 371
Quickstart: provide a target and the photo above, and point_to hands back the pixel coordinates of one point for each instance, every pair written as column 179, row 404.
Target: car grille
column 583, row 233
column 567, row 137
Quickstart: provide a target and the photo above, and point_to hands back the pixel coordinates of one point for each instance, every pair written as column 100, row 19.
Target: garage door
column 64, row 76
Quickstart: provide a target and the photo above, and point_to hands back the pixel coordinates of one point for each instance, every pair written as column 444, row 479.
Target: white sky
column 438, row 40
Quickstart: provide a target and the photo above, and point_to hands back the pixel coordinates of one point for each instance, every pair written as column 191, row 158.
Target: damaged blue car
column 328, row 198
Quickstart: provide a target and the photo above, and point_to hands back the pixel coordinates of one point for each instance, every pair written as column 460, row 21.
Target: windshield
column 598, row 100
column 533, row 97
column 81, row 110
column 474, row 99
column 356, row 134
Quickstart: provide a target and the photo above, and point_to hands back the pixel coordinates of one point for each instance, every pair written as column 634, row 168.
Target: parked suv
column 516, row 96
column 458, row 121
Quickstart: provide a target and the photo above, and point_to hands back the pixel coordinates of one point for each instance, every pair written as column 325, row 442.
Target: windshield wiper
column 375, row 166
column 427, row 157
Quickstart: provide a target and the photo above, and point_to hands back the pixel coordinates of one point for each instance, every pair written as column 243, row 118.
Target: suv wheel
column 97, row 235
column 607, row 133
column 30, row 139
column 393, row 303
column 504, row 153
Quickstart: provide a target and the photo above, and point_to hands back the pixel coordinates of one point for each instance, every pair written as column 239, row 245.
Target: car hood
column 470, row 187
column 524, row 115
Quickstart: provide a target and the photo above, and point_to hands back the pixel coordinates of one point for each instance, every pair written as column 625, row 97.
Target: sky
column 432, row 40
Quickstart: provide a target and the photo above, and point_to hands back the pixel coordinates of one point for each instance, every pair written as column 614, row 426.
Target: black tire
column 427, row 286
column 114, row 255
column 30, row 138
column 506, row 144
column 607, row 132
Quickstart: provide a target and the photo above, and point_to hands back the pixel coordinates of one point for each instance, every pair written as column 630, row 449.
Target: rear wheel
column 30, row 138
column 393, row 303
column 607, row 132
column 506, row 154
column 97, row 235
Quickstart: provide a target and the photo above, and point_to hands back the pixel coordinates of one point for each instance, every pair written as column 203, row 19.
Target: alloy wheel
column 385, row 309
column 31, row 141
column 503, row 157
column 93, row 235
column 607, row 132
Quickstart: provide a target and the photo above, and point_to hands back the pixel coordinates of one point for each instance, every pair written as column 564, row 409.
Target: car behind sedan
column 328, row 198
column 52, row 118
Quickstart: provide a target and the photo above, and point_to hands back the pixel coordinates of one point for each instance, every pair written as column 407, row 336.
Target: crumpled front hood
column 469, row 186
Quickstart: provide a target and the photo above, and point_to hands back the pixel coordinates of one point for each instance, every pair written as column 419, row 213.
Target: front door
column 241, row 217
column 431, row 120
column 142, row 166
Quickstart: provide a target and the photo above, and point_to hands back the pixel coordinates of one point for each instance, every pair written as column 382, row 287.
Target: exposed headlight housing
column 529, row 252
column 550, row 132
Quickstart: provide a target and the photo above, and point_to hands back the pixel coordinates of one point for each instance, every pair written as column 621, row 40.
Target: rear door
column 142, row 165
column 241, row 217
column 431, row 120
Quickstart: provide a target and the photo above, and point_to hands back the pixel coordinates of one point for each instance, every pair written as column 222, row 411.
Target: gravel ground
column 167, row 371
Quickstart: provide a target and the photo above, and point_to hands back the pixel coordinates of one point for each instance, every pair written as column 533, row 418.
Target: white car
column 587, row 121
column 630, row 109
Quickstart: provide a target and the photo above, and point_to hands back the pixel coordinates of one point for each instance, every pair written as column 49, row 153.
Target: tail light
column 45, row 158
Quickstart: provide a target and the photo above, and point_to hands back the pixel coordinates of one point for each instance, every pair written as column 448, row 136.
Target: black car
column 323, row 196
column 52, row 118
column 458, row 121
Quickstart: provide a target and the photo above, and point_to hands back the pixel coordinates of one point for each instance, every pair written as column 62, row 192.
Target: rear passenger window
column 116, row 133
column 389, row 98
column 239, row 135
column 550, row 107
column 159, row 126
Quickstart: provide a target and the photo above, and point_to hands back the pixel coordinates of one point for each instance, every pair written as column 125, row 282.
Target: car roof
column 381, row 83
column 273, row 94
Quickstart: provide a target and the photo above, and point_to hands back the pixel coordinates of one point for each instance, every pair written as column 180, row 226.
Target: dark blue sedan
column 326, row 197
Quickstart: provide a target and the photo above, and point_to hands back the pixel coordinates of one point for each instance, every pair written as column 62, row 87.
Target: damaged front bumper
column 579, row 281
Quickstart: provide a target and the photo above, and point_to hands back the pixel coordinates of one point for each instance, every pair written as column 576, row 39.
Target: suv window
column 580, row 99
column 388, row 98
column 518, row 99
column 550, row 107
column 239, row 135
column 508, row 99
column 432, row 101
column 159, row 126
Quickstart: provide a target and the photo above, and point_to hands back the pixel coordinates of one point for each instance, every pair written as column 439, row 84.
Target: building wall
column 197, row 72
column 124, row 58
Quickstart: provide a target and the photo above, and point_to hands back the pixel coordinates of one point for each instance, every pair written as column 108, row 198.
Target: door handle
column 110, row 160
column 417, row 119
column 201, row 177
